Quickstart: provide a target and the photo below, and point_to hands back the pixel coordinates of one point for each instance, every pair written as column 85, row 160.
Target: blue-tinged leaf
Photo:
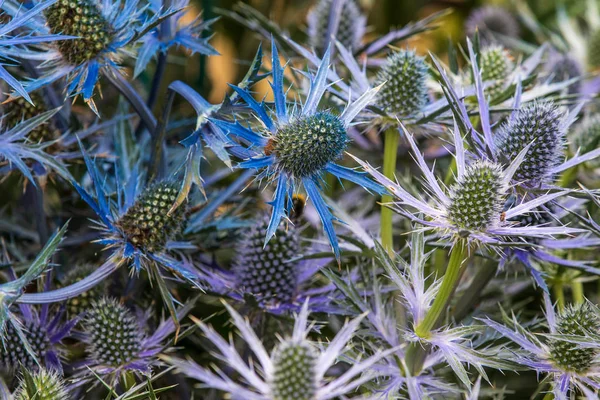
column 279, row 205
column 93, row 68
column 196, row 100
column 259, row 162
column 102, row 207
column 242, row 132
column 148, row 50
column 360, row 178
column 34, row 39
column 257, row 107
column 13, row 83
column 326, row 217
column 20, row 20
column 277, row 86
column 318, row 85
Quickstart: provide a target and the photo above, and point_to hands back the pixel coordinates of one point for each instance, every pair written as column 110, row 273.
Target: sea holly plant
column 299, row 145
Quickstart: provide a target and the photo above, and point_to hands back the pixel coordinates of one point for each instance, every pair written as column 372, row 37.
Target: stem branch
column 390, row 154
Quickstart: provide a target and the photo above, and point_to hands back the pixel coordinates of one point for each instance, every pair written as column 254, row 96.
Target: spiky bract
column 42, row 385
column 405, row 90
column 476, row 199
column 19, row 110
column 539, row 125
column 147, row 224
column 114, row 334
column 267, row 271
column 307, row 144
column 577, row 320
column 80, row 18
column 294, row 376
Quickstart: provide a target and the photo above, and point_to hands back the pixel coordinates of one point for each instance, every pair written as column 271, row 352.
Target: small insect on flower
column 298, row 204
column 300, row 146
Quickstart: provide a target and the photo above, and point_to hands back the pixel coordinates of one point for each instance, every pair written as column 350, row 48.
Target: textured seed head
column 496, row 65
column 80, row 18
column 477, row 198
column 305, row 146
column 593, row 49
column 563, row 67
column 114, row 334
column 539, row 124
column 586, row 136
column 578, row 320
column 492, row 20
column 268, row 273
column 350, row 29
column 82, row 303
column 405, row 91
column 147, row 224
column 294, row 376
column 14, row 352
column 20, row 110
column 44, row 385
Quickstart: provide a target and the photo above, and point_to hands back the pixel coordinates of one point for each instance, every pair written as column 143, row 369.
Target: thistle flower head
column 42, row 385
column 350, row 29
column 294, row 371
column 492, row 20
column 405, row 91
column 538, row 124
column 563, row 67
column 14, row 352
column 78, row 305
column 586, row 135
column 577, row 320
column 81, row 18
column 593, row 49
column 114, row 334
column 477, row 198
column 20, row 110
column 147, row 224
column 496, row 65
column 267, row 271
column 307, row 144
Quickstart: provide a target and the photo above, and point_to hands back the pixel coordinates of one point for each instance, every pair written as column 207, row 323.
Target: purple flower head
column 490, row 21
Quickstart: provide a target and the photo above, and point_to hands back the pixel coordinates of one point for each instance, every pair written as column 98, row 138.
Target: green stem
column 390, row 154
column 559, row 294
column 471, row 296
column 458, row 256
column 577, row 290
column 548, row 396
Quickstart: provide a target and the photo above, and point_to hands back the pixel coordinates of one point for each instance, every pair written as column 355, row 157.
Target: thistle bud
column 586, row 136
column 492, row 20
column 477, row 198
column 538, row 124
column 268, row 272
column 578, row 320
column 147, row 224
column 306, row 145
column 294, row 372
column 78, row 305
column 114, row 334
column 405, row 90
column 350, row 30
column 42, row 385
column 81, row 18
column 563, row 67
column 496, row 65
column 19, row 110
column 14, row 353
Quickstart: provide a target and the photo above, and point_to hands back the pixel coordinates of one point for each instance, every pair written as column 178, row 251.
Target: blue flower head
column 103, row 30
column 299, row 144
